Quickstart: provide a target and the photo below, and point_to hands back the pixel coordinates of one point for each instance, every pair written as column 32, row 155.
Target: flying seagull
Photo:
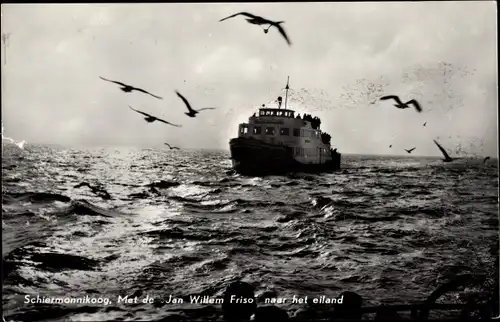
column 410, row 150
column 401, row 104
column 150, row 118
column 172, row 147
column 19, row 144
column 127, row 88
column 390, row 146
column 447, row 158
column 425, row 123
column 100, row 192
column 257, row 20
column 192, row 112
column 486, row 159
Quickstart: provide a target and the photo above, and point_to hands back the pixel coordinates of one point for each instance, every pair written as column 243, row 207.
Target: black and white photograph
column 238, row 161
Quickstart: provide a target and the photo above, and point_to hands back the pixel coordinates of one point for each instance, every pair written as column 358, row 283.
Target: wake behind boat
column 276, row 142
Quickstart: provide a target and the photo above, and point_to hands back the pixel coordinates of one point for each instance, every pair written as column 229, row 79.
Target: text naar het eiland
column 175, row 300
column 237, row 300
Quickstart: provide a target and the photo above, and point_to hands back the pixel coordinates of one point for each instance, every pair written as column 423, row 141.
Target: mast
column 286, row 88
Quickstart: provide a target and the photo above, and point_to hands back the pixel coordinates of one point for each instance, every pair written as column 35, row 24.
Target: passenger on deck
column 253, row 115
column 298, row 116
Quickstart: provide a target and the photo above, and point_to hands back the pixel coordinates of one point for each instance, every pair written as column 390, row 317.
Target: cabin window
column 284, row 131
column 270, row 130
column 243, row 130
column 302, row 133
column 296, row 132
column 257, row 130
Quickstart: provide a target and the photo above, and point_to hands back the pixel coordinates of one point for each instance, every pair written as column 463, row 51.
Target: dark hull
column 253, row 157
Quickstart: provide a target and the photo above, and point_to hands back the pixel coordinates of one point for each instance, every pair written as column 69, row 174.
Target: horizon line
column 227, row 150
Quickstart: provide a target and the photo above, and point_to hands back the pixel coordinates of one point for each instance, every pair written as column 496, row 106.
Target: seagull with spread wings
column 410, row 150
column 150, row 118
column 19, row 144
column 257, row 20
column 127, row 88
column 192, row 112
column 447, row 158
column 486, row 159
column 172, row 147
column 402, row 105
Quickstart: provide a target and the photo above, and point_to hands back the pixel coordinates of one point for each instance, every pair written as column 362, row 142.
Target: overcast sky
column 343, row 56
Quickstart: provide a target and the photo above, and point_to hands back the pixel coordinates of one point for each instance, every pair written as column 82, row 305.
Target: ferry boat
column 276, row 141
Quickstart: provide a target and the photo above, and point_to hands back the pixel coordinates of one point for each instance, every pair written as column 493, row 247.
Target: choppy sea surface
column 389, row 228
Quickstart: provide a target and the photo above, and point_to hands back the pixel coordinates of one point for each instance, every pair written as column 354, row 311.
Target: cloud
column 343, row 56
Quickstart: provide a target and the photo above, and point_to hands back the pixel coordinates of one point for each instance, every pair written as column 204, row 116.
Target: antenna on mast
column 287, row 88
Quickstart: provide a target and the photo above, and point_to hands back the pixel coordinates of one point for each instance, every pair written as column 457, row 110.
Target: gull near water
column 447, row 158
column 257, row 20
column 172, row 147
column 410, row 150
column 128, row 88
column 150, row 118
column 400, row 104
column 19, row 144
column 192, row 112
